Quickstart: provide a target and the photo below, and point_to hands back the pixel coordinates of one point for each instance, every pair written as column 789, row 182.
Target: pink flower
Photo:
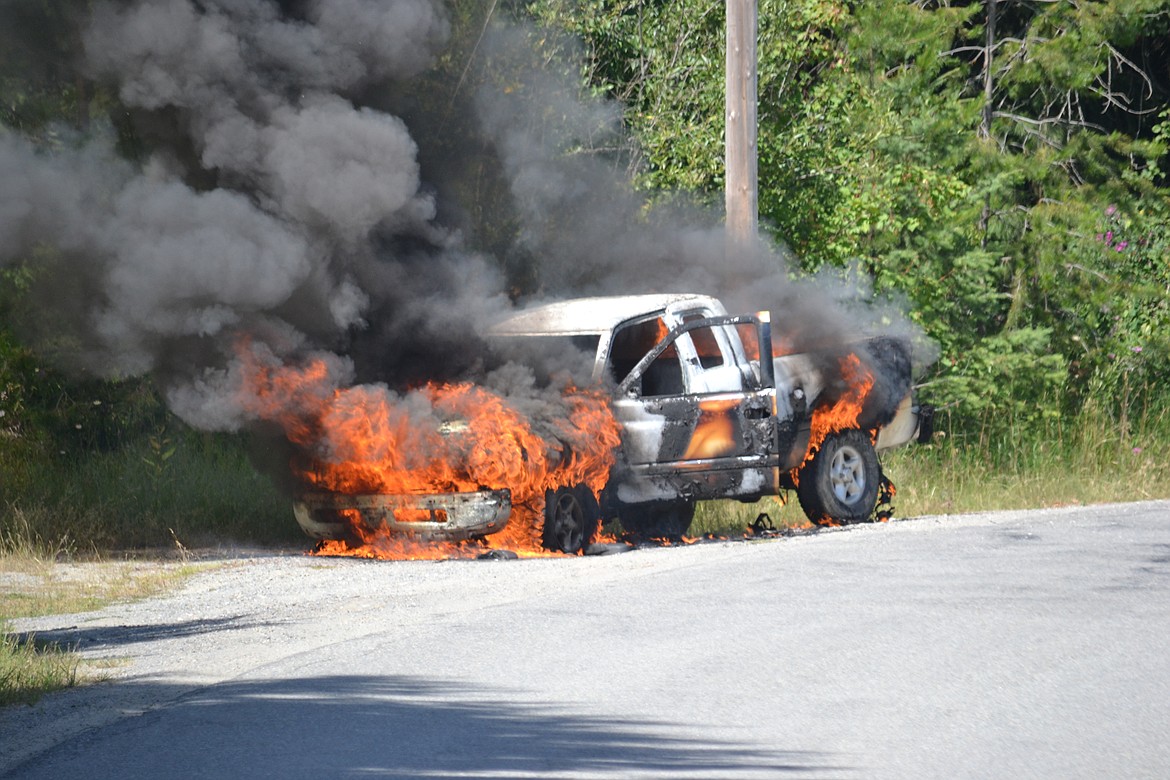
column 1109, row 212
column 1137, row 450
column 1135, row 349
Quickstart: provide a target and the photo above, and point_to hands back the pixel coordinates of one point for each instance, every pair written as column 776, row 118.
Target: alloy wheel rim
column 847, row 475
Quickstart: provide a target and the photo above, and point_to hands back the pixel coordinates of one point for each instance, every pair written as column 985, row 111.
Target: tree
column 1001, row 165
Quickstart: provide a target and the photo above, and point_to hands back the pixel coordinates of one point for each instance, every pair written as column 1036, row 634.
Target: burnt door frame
column 707, row 444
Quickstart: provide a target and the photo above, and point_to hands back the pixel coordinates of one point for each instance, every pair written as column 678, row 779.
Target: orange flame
column 843, row 414
column 714, row 434
column 367, row 439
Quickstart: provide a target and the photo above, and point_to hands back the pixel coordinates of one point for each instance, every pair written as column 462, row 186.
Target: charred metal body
column 706, row 412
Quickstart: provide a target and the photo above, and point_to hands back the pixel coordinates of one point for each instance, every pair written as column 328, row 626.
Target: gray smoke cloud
column 143, row 259
column 156, row 259
column 596, row 235
column 293, row 194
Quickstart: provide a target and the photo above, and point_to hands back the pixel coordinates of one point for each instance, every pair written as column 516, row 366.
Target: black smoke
column 342, row 176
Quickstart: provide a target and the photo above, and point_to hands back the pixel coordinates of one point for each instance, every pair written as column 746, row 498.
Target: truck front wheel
column 840, row 484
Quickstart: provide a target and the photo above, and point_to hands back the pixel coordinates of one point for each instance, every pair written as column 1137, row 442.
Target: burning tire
column 669, row 520
column 840, row 483
column 571, row 517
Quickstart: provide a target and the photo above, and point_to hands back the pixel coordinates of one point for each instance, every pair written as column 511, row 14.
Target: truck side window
column 664, row 375
column 632, row 343
column 750, row 338
column 707, row 348
column 711, row 369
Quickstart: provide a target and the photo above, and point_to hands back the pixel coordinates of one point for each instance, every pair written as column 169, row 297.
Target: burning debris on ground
column 292, row 251
column 398, row 547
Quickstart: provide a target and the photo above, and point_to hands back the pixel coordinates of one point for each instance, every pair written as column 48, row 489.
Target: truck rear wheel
column 664, row 520
column 571, row 517
column 840, row 484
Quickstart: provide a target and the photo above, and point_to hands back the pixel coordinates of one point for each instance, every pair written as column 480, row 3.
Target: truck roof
column 594, row 316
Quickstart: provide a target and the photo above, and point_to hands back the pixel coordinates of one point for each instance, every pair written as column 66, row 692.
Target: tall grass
column 1098, row 457
column 199, row 489
column 29, row 669
column 1094, row 458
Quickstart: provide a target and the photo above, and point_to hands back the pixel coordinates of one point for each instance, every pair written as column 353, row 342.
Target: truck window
column 750, row 338
column 711, row 368
column 706, row 346
column 664, row 375
column 632, row 343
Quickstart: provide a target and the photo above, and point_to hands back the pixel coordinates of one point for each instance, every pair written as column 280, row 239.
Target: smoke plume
column 299, row 182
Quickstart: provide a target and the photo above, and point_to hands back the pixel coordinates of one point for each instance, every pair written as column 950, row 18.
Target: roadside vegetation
column 1087, row 460
column 29, row 670
column 38, row 578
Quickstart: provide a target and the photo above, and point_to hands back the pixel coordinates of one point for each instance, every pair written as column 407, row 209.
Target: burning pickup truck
column 705, row 411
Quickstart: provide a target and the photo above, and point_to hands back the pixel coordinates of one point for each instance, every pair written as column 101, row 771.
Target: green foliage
column 38, row 87
column 1028, row 231
column 206, row 492
column 29, row 669
column 664, row 62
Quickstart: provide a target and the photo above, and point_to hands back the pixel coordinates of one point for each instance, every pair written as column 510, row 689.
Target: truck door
column 698, row 423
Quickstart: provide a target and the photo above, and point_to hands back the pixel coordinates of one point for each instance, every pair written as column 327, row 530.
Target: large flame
column 435, row 439
column 844, row 413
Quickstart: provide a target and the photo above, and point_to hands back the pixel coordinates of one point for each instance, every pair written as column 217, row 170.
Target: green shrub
column 187, row 487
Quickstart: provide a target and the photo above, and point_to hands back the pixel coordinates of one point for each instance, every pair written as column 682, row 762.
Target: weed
column 22, row 536
column 199, row 489
column 32, row 584
column 29, row 669
column 1095, row 459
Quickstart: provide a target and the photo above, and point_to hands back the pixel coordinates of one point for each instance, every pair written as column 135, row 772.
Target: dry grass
column 29, row 669
column 30, row 587
column 33, row 582
column 1096, row 460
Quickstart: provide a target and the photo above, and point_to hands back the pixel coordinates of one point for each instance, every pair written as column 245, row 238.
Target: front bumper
column 439, row 516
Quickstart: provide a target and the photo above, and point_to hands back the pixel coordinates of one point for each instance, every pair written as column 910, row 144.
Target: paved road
column 998, row 645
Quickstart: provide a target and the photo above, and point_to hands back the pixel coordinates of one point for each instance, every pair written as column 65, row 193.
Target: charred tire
column 840, row 483
column 571, row 517
column 667, row 520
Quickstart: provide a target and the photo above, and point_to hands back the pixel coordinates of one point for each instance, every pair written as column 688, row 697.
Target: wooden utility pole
column 740, row 156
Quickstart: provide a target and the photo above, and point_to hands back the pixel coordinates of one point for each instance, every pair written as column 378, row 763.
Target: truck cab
column 708, row 412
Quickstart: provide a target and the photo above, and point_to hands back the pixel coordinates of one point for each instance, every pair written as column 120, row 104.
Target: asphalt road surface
column 998, row 645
